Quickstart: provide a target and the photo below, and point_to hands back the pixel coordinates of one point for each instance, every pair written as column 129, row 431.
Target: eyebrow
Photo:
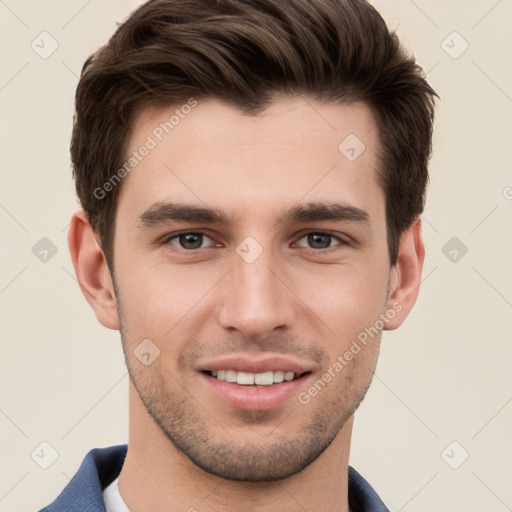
column 161, row 213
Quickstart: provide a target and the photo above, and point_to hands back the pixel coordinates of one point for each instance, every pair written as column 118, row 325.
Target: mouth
column 264, row 391
column 258, row 380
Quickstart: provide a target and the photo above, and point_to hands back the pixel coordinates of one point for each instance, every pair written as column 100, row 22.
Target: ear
column 405, row 278
column 92, row 271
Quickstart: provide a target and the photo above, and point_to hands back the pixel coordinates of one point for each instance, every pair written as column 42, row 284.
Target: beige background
column 444, row 376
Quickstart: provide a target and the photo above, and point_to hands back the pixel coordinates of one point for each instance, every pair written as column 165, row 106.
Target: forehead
column 214, row 154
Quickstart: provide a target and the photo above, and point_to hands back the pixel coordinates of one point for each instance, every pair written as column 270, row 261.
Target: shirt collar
column 101, row 466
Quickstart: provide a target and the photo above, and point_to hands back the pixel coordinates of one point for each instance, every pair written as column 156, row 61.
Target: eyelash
column 340, row 241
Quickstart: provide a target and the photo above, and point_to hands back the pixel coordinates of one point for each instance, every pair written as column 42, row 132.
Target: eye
column 319, row 240
column 194, row 240
column 188, row 240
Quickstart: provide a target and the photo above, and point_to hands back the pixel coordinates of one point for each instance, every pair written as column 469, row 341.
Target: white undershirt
column 112, row 498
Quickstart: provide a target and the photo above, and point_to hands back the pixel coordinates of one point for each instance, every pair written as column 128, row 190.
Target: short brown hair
column 243, row 52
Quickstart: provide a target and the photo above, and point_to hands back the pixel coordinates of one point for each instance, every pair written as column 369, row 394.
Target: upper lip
column 260, row 364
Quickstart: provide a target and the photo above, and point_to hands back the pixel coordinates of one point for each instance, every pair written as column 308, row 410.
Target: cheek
column 160, row 300
column 347, row 298
column 349, row 303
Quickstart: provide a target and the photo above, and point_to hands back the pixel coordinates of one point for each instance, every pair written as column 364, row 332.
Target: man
column 252, row 174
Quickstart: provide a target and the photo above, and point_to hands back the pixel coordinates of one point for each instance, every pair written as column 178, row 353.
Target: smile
column 255, row 379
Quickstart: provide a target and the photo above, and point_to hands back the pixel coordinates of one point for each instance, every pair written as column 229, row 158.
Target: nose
column 257, row 299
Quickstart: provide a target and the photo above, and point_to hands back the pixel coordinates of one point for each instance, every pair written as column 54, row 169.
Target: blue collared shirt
column 101, row 466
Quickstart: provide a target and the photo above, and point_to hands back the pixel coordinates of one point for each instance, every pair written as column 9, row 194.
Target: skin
column 187, row 448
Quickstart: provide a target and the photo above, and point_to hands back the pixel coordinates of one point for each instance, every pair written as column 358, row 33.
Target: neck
column 156, row 475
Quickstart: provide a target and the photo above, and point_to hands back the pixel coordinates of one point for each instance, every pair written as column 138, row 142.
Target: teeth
column 264, row 379
column 231, row 376
column 250, row 379
column 288, row 376
column 244, row 378
column 278, row 376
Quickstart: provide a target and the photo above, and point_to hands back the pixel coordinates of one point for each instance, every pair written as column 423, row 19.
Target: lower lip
column 252, row 398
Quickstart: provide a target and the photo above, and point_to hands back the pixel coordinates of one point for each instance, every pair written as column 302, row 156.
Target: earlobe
column 92, row 271
column 405, row 275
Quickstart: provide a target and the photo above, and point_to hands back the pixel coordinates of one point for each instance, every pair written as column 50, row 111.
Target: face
column 252, row 245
